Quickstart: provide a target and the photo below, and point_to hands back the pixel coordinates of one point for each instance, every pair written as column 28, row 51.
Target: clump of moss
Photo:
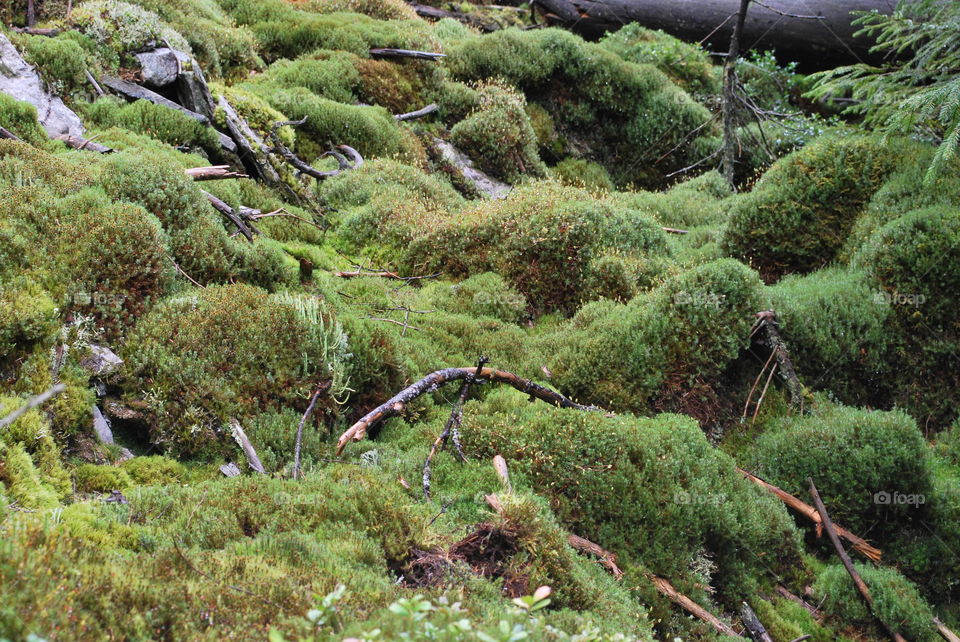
column 23, row 165
column 687, row 65
column 227, row 352
column 162, row 123
column 862, row 462
column 123, row 26
column 583, row 174
column 798, row 215
column 27, row 315
column 154, row 470
column 499, row 136
column 91, row 478
column 896, row 601
column 20, row 118
column 481, row 295
column 61, row 61
column 30, row 465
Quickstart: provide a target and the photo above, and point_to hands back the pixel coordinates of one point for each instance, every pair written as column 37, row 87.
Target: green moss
column 798, row 215
column 61, row 61
column 23, row 481
column 583, row 174
column 863, row 463
column 30, row 465
column 154, row 470
column 228, row 352
column 486, row 294
column 499, row 136
column 123, row 26
column 27, row 315
column 896, row 601
column 687, row 65
column 162, row 123
column 91, row 478
column 20, row 118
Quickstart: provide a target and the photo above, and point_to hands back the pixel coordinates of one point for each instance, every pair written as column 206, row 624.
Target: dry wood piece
column 38, row 31
column 386, row 274
column 9, row 135
column 82, row 143
column 945, row 632
column 673, row 230
column 388, row 52
column 812, row 610
column 754, row 626
column 302, row 166
column 667, row 589
column 303, row 420
column 248, row 449
column 769, row 336
column 32, row 403
column 811, row 514
column 229, row 212
column 398, row 403
column 420, row 113
column 500, row 465
column 607, row 559
column 212, row 173
column 845, row 559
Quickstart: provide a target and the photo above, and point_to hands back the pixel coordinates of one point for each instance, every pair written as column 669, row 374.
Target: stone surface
column 102, row 361
column 159, row 67
column 21, row 81
column 102, row 427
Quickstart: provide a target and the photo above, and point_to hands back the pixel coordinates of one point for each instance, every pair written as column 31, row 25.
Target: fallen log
column 78, row 143
column 388, row 52
column 811, row 514
column 847, row 564
column 398, row 403
column 213, row 173
column 9, row 135
column 248, row 449
column 817, row 33
column 667, row 589
column 753, row 625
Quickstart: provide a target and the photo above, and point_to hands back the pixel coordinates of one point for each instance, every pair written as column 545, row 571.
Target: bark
column 398, row 403
column 212, row 173
column 769, row 332
column 667, row 589
column 607, row 559
column 248, row 448
column 754, row 626
column 811, row 514
column 845, row 559
column 231, row 214
column 79, row 143
column 819, row 43
column 387, row 52
column 729, row 97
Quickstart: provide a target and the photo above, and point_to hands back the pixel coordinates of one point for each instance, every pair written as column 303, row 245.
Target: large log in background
column 815, row 43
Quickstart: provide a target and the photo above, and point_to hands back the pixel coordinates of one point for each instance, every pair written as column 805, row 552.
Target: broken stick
column 845, row 559
column 667, row 589
column 213, row 173
column 753, row 625
column 398, row 403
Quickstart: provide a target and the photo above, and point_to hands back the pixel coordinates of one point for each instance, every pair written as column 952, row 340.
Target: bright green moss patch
column 162, row 123
column 123, row 26
column 90, row 478
column 154, row 470
column 20, row 118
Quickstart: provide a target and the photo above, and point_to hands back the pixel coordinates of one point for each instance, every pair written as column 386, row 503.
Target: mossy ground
column 571, row 280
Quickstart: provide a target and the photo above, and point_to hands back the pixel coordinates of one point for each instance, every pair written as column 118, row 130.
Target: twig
column 229, row 212
column 403, row 324
column 452, row 427
column 388, row 52
column 420, row 113
column 845, row 559
column 785, row 14
column 756, row 382
column 398, row 403
column 32, row 403
column 188, row 277
column 667, row 589
column 673, row 230
column 607, row 559
column 93, row 81
column 303, row 420
column 763, row 393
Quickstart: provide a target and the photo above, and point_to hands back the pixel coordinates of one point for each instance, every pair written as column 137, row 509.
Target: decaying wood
column 753, row 625
column 213, row 173
column 808, row 511
column 452, row 428
column 420, row 113
column 32, row 403
column 136, row 92
column 768, row 334
column 607, row 559
column 811, row 609
column 673, row 230
column 303, row 420
column 302, row 166
column 398, row 403
column 667, row 589
column 250, row 147
column 500, row 465
column 248, row 448
column 9, row 135
column 847, row 563
column 49, row 32
column 945, row 632
column 93, row 81
column 84, row 144
column 388, row 52
column 229, row 212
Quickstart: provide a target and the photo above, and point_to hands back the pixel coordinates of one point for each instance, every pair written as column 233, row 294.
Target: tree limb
column 32, row 403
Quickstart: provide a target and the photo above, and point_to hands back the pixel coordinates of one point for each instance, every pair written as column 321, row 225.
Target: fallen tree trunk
column 76, row 142
column 434, row 380
column 818, row 33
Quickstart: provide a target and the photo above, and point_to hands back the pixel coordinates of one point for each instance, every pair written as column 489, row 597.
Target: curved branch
column 398, row 403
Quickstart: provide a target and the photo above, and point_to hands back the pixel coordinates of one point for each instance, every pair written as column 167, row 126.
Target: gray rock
column 159, row 67
column 101, row 425
column 484, row 183
column 21, row 81
column 102, row 361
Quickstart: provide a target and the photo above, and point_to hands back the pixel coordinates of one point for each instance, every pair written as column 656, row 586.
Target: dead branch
column 812, row 610
column 452, row 428
column 667, row 589
column 248, row 448
column 386, row 274
column 607, row 559
column 673, row 230
column 49, row 32
column 811, row 514
column 500, row 465
column 78, row 143
column 845, row 559
column 402, row 324
column 766, row 326
column 302, row 166
column 229, row 212
column 944, row 631
column 9, row 135
column 187, row 276
column 420, row 113
column 388, row 52
column 32, row 403
column 213, row 173
column 93, row 81
column 303, row 420
column 398, row 403
column 753, row 625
